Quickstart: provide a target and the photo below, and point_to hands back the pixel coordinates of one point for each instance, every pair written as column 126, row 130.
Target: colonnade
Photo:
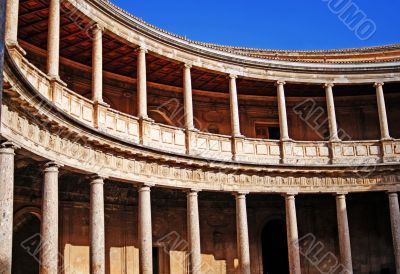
column 50, row 220
column 53, row 56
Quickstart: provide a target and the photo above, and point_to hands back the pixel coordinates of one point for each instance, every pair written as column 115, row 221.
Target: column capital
column 340, row 193
column 187, row 65
column 232, row 76
column 240, row 194
column 7, row 145
column 142, row 49
column 280, row 83
column 290, row 195
column 193, row 191
column 145, row 187
column 392, row 193
column 51, row 166
column 378, row 84
column 98, row 27
column 97, row 179
column 329, row 84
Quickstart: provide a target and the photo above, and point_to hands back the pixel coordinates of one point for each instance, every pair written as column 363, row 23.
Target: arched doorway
column 274, row 248
column 26, row 241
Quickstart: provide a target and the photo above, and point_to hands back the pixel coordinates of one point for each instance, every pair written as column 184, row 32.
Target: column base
column 14, row 46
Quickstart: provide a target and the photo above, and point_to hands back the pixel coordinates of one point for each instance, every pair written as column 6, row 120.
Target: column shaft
column 395, row 223
column 330, row 105
column 187, row 97
column 53, row 39
column 292, row 235
column 97, row 65
column 6, row 207
column 49, row 230
column 97, row 235
column 193, row 225
column 243, row 246
column 145, row 231
column 11, row 30
column 344, row 234
column 282, row 111
column 383, row 122
column 142, row 83
column 234, row 105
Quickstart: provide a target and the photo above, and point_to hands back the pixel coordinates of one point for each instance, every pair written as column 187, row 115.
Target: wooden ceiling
column 121, row 58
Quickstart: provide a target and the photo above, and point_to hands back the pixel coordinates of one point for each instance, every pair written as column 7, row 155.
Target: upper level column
column 49, row 229
column 383, row 122
column 6, row 205
column 97, row 64
column 11, row 31
column 282, row 111
column 142, row 83
column 53, row 40
column 243, row 246
column 234, row 105
column 330, row 105
column 187, row 97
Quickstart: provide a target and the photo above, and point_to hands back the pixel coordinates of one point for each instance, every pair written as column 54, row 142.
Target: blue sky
column 279, row 24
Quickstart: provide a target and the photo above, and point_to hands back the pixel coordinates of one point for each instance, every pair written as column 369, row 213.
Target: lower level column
column 97, row 238
column 193, row 232
column 395, row 223
column 49, row 230
column 145, row 231
column 292, row 234
column 6, row 206
column 344, row 234
column 242, row 231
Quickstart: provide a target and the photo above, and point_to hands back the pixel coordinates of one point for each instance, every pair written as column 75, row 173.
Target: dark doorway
column 156, row 266
column 274, row 248
column 26, row 241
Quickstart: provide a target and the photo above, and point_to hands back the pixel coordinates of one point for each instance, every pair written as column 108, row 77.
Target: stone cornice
column 183, row 47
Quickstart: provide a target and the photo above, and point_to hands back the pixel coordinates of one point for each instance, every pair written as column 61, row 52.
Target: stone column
column 187, row 97
column 383, row 122
column 243, row 247
column 53, row 40
column 282, row 111
column 193, row 227
column 145, row 231
column 292, row 234
column 97, row 64
column 142, row 83
column 395, row 223
column 234, row 105
column 6, row 206
column 11, row 31
column 330, row 106
column 344, row 234
column 49, row 230
column 97, row 238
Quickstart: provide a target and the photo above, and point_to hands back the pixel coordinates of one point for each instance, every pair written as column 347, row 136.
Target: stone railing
column 306, row 153
column 212, row 147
